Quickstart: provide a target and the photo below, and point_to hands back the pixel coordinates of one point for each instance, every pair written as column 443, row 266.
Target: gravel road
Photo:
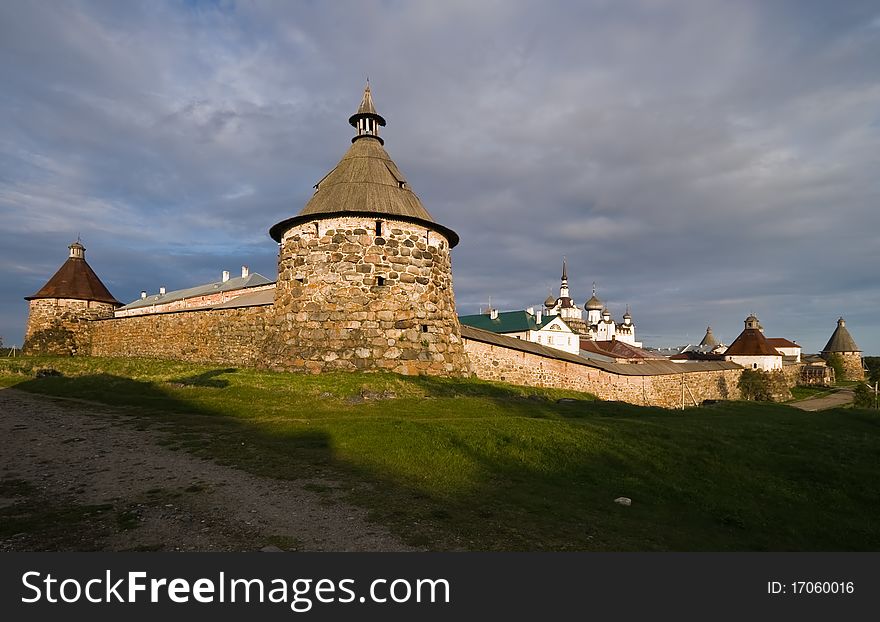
column 64, row 456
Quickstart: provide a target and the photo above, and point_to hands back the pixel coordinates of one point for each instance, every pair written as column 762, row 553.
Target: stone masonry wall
column 349, row 298
column 852, row 366
column 59, row 326
column 227, row 336
column 491, row 362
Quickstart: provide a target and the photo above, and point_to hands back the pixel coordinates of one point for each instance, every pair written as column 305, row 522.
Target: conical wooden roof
column 841, row 340
column 709, row 339
column 75, row 280
column 366, row 181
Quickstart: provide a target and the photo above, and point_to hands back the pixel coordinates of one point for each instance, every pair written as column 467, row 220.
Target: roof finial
column 366, row 120
column 564, row 270
column 594, row 288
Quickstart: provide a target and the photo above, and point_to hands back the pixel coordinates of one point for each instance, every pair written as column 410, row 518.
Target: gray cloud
column 700, row 161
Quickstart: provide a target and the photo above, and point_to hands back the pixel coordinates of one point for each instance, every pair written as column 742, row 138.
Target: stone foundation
column 349, row 297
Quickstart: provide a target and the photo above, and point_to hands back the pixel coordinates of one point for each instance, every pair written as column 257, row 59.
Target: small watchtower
column 364, row 271
column 843, row 347
column 60, row 310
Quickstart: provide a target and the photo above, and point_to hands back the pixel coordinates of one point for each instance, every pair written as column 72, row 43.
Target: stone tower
column 364, row 272
column 709, row 339
column 843, row 347
column 59, row 312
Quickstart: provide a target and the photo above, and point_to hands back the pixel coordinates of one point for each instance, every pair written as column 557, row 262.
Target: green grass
column 468, row 464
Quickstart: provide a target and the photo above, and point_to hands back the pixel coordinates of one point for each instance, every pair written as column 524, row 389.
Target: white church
column 598, row 324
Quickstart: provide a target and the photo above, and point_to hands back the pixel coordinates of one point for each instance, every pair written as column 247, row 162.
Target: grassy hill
column 452, row 464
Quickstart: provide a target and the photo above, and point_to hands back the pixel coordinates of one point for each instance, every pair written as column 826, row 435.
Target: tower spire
column 563, row 289
column 366, row 120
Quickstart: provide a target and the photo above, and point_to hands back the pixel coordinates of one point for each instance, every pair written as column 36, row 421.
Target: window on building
column 380, row 280
column 378, row 227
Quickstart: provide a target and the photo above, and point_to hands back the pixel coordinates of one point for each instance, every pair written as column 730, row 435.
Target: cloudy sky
column 699, row 160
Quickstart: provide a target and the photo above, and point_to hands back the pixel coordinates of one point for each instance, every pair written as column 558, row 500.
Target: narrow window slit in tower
column 424, row 328
column 380, row 280
column 378, row 227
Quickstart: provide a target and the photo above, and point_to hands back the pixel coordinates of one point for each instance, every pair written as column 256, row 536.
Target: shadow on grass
column 206, row 379
column 722, row 478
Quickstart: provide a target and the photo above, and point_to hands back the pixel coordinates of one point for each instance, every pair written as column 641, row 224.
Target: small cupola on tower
column 366, row 120
column 77, row 250
column 627, row 318
column 752, row 322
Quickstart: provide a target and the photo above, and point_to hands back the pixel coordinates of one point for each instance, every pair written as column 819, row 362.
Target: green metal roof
column 506, row 322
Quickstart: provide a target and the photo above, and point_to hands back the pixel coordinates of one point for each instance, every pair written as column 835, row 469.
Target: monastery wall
column 227, row 336
column 350, row 297
column 492, row 362
column 59, row 326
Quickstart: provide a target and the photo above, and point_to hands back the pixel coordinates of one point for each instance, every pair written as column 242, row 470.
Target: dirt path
column 84, row 477
column 841, row 397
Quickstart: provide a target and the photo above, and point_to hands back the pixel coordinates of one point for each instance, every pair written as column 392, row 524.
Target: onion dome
column 550, row 302
column 593, row 304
